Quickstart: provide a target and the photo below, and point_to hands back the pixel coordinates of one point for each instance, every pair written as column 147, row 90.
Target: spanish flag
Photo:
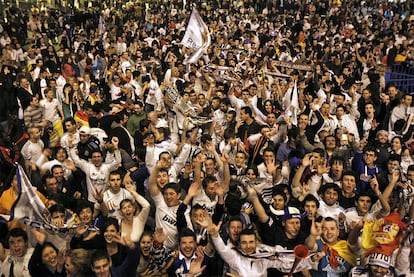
column 383, row 235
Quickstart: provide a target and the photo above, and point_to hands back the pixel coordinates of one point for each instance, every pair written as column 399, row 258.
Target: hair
column 365, row 193
column 99, row 254
column 48, row 244
column 293, row 132
column 349, row 173
column 209, row 179
column 164, row 131
column 115, row 172
column 144, row 124
column 174, row 186
column 108, row 222
column 69, row 119
column 336, row 158
column 370, row 148
column 124, row 201
column 248, row 231
column 285, row 186
column 57, row 208
column 327, row 186
column 84, row 204
column 56, row 165
column 232, row 112
column 311, row 198
column 228, row 134
column 331, row 219
column 186, row 232
column 80, row 259
column 225, row 101
column 253, row 167
column 17, row 232
column 56, row 150
column 196, row 207
column 96, row 150
column 394, row 157
column 234, row 218
column 410, row 167
column 247, row 110
column 279, row 191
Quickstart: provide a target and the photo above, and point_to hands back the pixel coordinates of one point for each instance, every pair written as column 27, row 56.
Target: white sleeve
column 140, row 219
column 225, row 252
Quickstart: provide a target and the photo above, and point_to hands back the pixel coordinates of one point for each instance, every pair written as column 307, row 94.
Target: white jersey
column 51, row 109
column 166, row 218
column 202, row 199
column 33, row 151
column 245, row 266
column 113, row 201
column 21, row 265
column 96, row 177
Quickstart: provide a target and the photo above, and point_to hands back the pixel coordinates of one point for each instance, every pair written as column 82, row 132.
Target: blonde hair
column 81, row 259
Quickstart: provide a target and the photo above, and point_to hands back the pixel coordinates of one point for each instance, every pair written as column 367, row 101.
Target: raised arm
column 315, row 233
column 257, row 205
column 152, row 182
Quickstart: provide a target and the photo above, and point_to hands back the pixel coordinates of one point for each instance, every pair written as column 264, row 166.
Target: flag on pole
column 291, row 102
column 196, row 37
column 28, row 204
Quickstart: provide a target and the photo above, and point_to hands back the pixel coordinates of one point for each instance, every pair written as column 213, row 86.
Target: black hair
column 365, row 193
column 247, row 110
column 108, row 222
column 17, row 232
column 349, row 173
column 100, row 255
column 279, row 191
column 56, row 166
column 394, row 157
column 186, row 232
column 83, row 204
column 327, row 186
column 57, row 208
column 252, row 167
column 209, row 179
column 311, row 198
column 174, row 186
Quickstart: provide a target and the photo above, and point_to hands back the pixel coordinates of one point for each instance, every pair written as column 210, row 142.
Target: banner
column 303, row 67
column 196, row 37
column 28, row 204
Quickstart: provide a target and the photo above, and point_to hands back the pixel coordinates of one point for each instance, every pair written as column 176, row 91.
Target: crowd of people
column 283, row 140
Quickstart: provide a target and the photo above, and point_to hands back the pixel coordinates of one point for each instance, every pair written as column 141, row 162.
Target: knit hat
column 379, row 260
column 287, row 212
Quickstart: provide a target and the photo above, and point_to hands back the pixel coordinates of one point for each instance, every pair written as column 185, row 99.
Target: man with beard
column 135, row 118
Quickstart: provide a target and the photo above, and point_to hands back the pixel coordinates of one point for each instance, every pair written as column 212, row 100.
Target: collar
column 182, row 257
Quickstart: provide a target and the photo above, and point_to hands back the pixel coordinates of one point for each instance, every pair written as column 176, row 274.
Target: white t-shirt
column 113, row 200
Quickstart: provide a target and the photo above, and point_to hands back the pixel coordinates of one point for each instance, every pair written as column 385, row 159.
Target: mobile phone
column 246, row 205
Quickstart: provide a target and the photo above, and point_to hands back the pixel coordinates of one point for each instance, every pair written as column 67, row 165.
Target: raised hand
column 316, row 228
column 196, row 266
column 39, row 235
column 214, row 229
column 159, row 235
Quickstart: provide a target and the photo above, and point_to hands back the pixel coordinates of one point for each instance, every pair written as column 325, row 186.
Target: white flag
column 291, row 102
column 196, row 37
column 28, row 204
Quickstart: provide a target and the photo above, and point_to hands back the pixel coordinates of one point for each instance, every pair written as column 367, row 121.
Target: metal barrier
column 402, row 75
